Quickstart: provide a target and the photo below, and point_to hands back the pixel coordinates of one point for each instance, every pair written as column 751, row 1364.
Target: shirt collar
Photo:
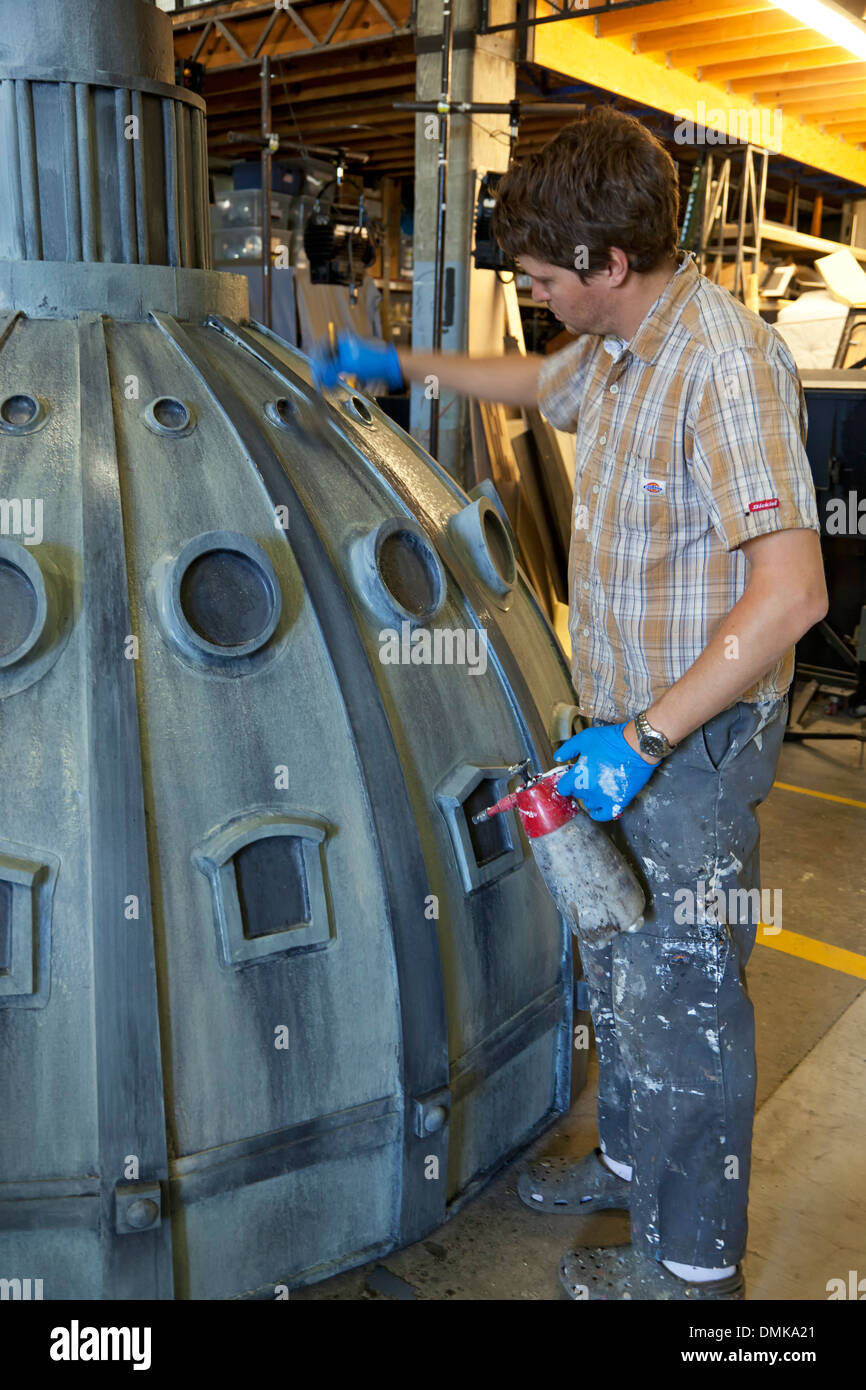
column 647, row 341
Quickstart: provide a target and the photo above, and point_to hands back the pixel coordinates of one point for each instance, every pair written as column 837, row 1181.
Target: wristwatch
column 650, row 741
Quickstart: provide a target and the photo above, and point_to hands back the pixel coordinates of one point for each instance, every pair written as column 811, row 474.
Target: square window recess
column 483, row 852
column 267, row 876
column 27, row 880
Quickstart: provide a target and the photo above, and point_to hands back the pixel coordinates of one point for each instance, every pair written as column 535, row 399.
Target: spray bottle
column 585, row 873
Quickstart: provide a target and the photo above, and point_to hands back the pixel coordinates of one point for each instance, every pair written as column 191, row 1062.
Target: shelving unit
column 777, row 234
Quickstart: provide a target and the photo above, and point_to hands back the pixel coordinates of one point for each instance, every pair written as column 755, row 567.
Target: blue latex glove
column 369, row 359
column 610, row 773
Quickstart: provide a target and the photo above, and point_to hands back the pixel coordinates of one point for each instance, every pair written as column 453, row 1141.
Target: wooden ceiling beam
column 773, row 93
column 384, row 144
column 388, row 89
column 813, row 107
column 733, row 50
column 604, row 63
column 352, row 85
column 351, row 142
column 197, row 14
column 298, row 85
column 765, row 65
column 662, row 15
column 362, row 109
column 844, row 126
column 772, row 23
column 391, row 149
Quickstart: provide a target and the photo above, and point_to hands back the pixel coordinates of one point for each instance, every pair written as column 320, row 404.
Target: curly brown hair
column 602, row 181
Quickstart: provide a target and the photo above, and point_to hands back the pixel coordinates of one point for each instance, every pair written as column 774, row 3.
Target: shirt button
column 585, row 584
column 595, row 487
column 613, row 390
column 603, row 439
column 586, row 632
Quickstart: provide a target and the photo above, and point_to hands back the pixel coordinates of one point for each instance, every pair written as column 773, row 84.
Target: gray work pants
column 674, row 1024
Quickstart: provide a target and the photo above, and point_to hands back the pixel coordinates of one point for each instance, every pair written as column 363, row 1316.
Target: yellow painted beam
column 780, row 62
column 678, row 11
column 732, row 49
column 568, row 48
column 772, row 23
column 825, row 102
column 775, row 83
column 789, row 96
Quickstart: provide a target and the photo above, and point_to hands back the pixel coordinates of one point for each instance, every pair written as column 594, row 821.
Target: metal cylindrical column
column 97, row 82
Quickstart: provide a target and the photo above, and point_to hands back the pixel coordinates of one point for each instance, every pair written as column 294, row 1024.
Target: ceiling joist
column 338, row 66
column 226, row 36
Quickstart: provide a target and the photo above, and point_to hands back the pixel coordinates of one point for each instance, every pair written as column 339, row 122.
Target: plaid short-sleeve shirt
column 690, row 440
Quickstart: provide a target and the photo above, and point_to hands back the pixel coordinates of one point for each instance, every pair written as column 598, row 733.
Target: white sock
column 622, row 1170
column 696, row 1274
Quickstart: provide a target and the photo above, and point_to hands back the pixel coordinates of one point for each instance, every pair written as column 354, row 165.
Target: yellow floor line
column 825, row 796
column 807, row 948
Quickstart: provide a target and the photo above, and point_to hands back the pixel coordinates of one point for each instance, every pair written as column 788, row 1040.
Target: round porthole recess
column 222, row 597
column 361, row 411
column 487, row 543
column 399, row 573
column 22, row 413
column 168, row 416
column 282, row 412
column 23, row 603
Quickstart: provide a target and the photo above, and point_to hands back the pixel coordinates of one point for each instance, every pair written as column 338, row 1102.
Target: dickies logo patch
column 653, row 487
column 765, row 505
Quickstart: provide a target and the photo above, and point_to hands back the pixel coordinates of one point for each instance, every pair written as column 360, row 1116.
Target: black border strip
column 301, row 1146
column 131, row 1109
column 470, row 1071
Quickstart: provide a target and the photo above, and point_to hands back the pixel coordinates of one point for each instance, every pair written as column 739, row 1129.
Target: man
column 695, row 566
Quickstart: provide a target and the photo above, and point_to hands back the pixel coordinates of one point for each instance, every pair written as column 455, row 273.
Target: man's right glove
column 369, row 359
column 609, row 774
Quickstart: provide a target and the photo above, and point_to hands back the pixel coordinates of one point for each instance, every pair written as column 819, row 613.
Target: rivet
column 141, row 1213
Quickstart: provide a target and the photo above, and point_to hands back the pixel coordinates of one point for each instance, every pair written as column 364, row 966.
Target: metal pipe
column 439, row 273
column 266, row 192
column 572, row 11
column 502, row 108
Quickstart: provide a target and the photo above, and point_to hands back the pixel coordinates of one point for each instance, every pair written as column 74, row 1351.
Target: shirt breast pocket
column 651, row 497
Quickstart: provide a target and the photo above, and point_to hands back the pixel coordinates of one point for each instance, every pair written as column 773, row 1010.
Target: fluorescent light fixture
column 829, row 19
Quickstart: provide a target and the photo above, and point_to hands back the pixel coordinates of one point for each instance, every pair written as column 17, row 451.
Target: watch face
column 652, row 745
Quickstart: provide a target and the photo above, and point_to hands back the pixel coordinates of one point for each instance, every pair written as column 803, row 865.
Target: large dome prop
column 270, row 1002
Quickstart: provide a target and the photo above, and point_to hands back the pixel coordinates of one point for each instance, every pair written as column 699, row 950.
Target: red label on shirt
column 765, row 505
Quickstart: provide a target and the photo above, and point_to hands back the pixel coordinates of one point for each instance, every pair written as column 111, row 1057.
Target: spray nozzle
column 507, row 803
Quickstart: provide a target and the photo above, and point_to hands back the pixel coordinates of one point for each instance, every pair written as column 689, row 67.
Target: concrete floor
column 807, row 1222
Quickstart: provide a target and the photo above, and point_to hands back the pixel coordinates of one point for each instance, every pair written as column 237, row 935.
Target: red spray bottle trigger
column 539, row 804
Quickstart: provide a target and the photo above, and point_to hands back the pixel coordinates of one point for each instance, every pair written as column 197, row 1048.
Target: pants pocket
column 729, row 732
column 721, row 735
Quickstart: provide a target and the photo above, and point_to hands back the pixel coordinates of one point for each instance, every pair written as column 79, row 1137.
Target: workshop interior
column 288, row 986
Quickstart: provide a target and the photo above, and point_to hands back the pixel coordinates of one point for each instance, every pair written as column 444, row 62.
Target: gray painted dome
column 269, row 1003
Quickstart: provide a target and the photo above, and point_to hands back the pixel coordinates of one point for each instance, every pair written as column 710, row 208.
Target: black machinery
column 835, row 649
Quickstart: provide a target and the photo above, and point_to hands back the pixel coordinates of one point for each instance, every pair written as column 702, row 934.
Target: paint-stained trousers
column 673, row 1020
